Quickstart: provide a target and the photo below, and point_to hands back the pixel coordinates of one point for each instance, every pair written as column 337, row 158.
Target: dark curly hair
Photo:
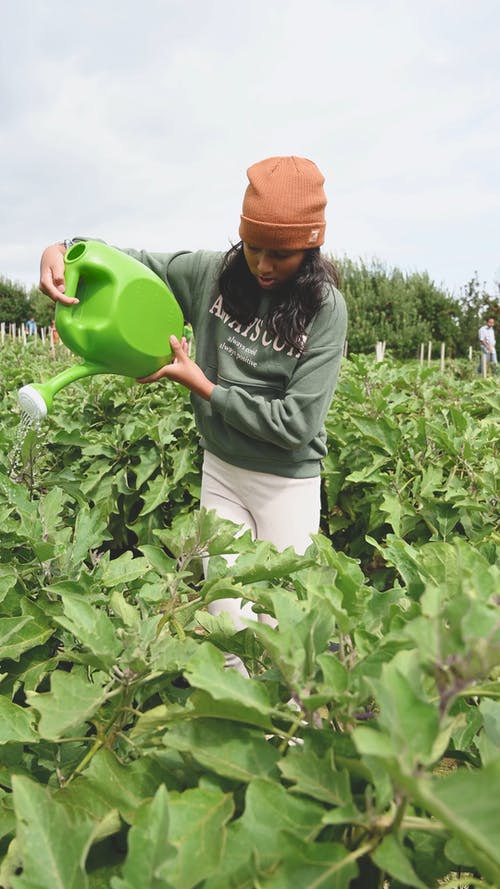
column 296, row 302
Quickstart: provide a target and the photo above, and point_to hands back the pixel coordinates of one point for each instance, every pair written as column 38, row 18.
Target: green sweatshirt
column 269, row 404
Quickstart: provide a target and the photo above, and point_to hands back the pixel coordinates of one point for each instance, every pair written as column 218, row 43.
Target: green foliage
column 412, row 453
column 14, row 303
column 476, row 306
column 131, row 758
column 42, row 308
column 405, row 310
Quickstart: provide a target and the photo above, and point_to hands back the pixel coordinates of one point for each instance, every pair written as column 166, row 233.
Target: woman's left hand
column 183, row 370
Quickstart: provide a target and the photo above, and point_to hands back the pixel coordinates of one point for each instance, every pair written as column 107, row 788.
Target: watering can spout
column 36, row 399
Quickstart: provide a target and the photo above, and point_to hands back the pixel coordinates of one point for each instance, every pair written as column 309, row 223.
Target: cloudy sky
column 135, row 120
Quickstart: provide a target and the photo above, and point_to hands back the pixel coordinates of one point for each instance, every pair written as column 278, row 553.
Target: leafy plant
column 364, row 746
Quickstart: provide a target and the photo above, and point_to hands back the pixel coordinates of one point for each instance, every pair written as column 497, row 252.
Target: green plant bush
column 364, row 746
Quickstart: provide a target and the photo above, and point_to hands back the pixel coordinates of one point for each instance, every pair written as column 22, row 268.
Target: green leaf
column 382, row 432
column 203, row 532
column 148, row 847
column 411, row 722
column 391, row 857
column 305, row 629
column 16, row 723
column 158, row 560
column 312, row 866
column 19, row 634
column 335, row 674
column 266, row 563
column 124, row 570
column 182, row 460
column 316, row 776
column 466, row 802
column 7, row 816
column 226, row 749
column 158, row 492
column 269, row 812
column 126, row 612
column 8, row 580
column 50, row 508
column 202, row 704
column 71, row 701
column 149, row 462
column 52, row 845
column 107, row 785
column 89, row 533
column 92, row 627
column 206, row 670
column 489, row 740
column 198, row 820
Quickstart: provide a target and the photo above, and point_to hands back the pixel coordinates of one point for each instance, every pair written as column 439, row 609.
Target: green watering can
column 121, row 325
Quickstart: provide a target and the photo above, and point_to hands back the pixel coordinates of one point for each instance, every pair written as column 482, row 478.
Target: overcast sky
column 135, row 121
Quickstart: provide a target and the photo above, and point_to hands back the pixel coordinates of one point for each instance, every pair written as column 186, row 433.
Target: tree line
column 384, row 304
column 405, row 310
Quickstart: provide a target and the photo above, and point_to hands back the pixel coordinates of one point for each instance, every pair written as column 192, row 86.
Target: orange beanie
column 284, row 205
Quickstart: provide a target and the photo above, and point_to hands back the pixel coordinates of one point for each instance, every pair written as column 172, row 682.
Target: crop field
column 364, row 749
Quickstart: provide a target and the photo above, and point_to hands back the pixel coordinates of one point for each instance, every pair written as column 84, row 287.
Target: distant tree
column 404, row 310
column 476, row 304
column 14, row 303
column 42, row 308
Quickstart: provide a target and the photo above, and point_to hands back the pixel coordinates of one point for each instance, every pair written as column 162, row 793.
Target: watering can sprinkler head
column 33, row 403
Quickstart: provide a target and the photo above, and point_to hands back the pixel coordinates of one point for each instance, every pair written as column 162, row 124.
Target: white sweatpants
column 283, row 511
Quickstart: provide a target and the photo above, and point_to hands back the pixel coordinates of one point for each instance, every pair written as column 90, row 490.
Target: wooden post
column 443, row 348
column 470, row 353
column 2, row 332
column 42, row 334
column 344, row 353
column 484, row 364
column 429, row 352
column 422, row 347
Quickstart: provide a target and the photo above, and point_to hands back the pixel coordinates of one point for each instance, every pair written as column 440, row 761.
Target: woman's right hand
column 52, row 274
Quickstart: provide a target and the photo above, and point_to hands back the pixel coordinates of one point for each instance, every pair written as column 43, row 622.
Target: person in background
column 487, row 344
column 269, row 326
column 31, row 326
column 53, row 332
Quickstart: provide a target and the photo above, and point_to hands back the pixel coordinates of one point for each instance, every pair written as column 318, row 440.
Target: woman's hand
column 52, row 274
column 183, row 370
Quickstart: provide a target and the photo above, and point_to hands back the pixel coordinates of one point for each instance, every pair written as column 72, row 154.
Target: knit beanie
column 284, row 205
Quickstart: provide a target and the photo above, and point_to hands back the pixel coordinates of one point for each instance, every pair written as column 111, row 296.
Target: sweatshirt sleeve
column 294, row 420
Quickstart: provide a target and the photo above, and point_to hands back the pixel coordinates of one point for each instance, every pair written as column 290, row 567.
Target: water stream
column 26, row 447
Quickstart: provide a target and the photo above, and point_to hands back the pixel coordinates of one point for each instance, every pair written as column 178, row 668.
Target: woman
column 269, row 328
